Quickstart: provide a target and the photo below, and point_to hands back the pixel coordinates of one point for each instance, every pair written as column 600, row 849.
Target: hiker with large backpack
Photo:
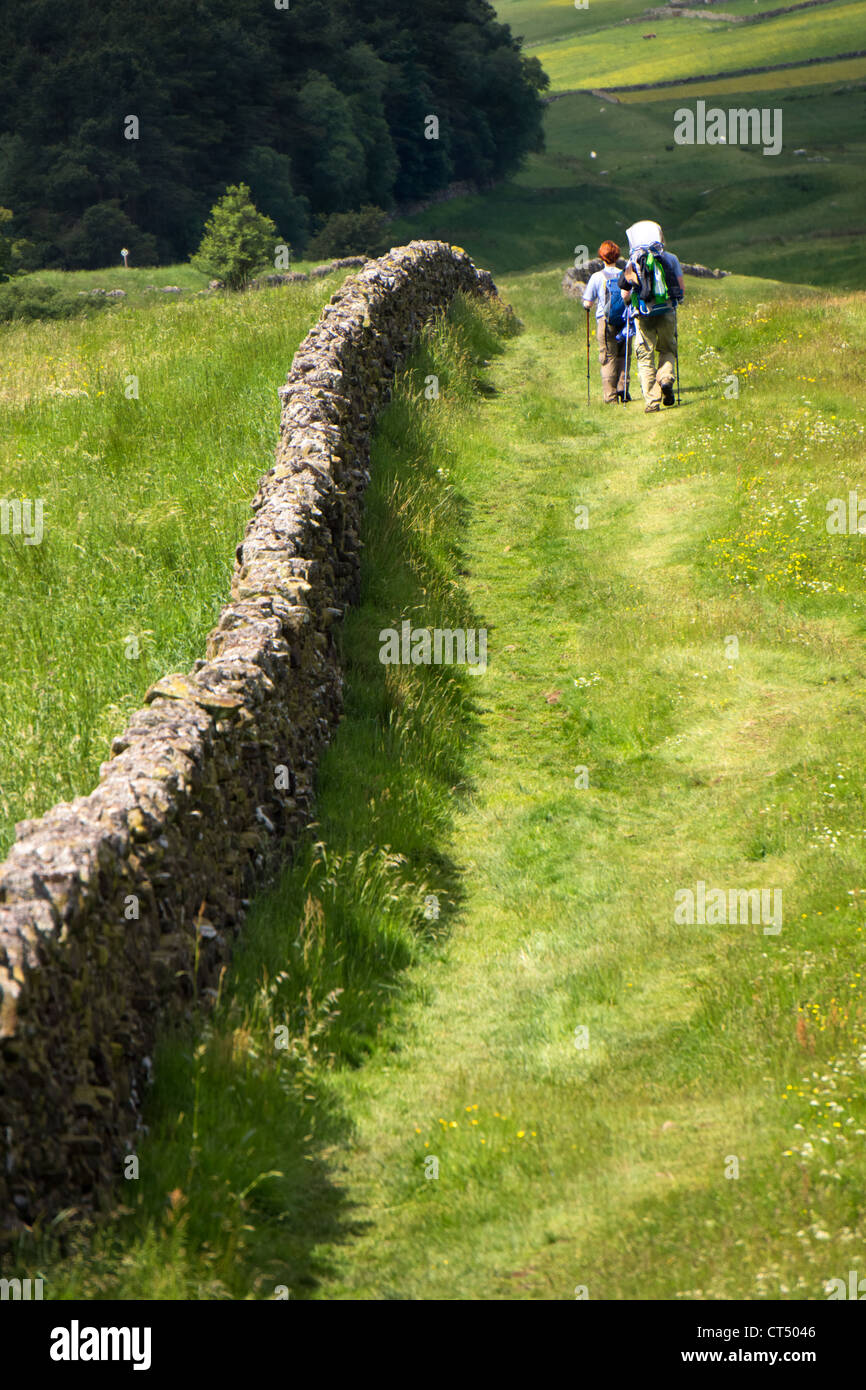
column 652, row 286
column 610, row 324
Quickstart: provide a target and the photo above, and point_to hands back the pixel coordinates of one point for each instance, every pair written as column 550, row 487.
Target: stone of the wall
column 187, row 816
column 294, row 277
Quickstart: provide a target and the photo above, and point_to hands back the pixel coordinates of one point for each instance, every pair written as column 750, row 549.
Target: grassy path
column 653, row 1162
column 618, row 1103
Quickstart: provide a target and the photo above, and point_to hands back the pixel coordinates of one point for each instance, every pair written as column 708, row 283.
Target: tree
column 5, row 247
column 96, row 238
column 238, row 239
column 363, row 233
column 269, row 175
column 335, row 166
column 14, row 253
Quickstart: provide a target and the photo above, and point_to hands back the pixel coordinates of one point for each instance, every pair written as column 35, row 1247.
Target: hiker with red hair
column 611, row 342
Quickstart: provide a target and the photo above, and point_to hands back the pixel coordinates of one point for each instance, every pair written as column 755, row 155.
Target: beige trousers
column 611, row 355
column 656, row 333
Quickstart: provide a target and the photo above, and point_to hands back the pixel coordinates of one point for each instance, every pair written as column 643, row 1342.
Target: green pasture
column 784, row 80
column 620, row 55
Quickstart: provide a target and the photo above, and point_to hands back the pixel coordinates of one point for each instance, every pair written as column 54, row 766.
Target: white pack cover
column 643, row 234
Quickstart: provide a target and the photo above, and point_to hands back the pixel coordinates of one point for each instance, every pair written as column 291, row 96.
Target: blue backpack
column 613, row 305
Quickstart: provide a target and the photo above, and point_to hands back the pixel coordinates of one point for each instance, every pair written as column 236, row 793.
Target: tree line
column 120, row 125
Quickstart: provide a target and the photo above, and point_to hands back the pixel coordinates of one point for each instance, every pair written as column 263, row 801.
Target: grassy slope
column 618, row 56
column 781, row 216
column 797, row 217
column 143, row 503
column 610, row 648
column 538, row 23
column 541, row 21
column 137, row 281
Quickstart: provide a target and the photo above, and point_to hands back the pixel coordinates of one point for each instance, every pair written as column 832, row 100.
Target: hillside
column 798, row 216
column 604, row 52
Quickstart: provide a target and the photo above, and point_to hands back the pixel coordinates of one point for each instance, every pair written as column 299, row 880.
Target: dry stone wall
column 120, row 907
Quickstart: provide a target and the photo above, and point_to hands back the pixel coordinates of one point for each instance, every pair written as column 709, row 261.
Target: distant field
column 819, row 75
column 621, row 56
column 134, row 280
column 540, row 22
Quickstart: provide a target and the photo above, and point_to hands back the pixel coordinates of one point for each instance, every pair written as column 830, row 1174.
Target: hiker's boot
column 623, row 397
column 651, row 407
column 668, row 392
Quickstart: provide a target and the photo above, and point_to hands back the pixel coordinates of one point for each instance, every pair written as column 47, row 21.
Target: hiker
column 652, row 284
column 603, row 288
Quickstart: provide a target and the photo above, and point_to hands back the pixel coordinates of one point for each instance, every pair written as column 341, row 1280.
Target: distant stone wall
column 106, row 901
column 574, row 282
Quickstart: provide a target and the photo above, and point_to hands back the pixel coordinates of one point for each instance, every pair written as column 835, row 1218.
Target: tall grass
column 143, row 431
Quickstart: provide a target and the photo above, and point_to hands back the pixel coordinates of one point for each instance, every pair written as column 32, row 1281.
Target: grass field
column 783, row 81
column 143, row 501
column 137, row 282
column 538, row 23
column 541, row 21
column 620, row 55
column 709, row 1141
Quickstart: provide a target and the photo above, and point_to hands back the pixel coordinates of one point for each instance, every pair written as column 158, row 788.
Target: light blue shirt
column 595, row 288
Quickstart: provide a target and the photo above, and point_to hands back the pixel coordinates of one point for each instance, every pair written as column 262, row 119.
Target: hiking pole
column 627, row 354
column 587, row 359
column 678, row 372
